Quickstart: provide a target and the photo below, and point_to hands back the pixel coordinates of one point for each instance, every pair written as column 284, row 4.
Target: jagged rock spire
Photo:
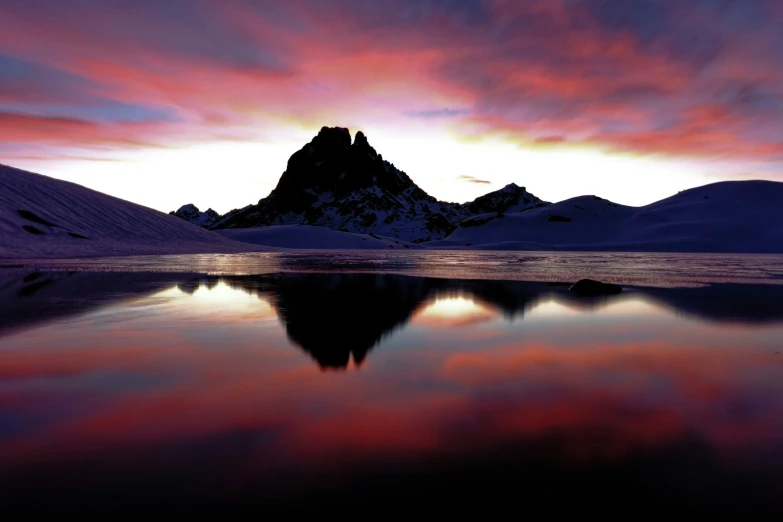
column 344, row 184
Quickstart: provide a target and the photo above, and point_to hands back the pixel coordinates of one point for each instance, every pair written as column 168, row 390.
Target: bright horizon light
column 229, row 175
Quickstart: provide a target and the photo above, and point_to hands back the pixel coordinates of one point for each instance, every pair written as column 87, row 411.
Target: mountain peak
column 511, row 198
column 361, row 145
column 339, row 138
column 192, row 214
column 332, row 137
column 189, row 207
column 346, row 185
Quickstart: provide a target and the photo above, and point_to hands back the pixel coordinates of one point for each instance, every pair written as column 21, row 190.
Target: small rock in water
column 590, row 287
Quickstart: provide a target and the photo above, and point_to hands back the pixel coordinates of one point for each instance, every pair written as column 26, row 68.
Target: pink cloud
column 520, row 71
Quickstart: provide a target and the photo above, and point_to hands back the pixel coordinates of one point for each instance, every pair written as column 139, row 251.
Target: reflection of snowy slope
column 735, row 216
column 45, row 217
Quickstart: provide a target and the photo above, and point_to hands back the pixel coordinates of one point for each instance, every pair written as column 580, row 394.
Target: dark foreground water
column 147, row 392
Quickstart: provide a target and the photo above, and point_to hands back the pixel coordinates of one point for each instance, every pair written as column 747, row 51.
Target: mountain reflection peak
column 338, row 318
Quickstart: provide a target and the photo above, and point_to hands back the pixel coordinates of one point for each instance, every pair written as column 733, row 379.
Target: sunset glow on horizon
column 203, row 101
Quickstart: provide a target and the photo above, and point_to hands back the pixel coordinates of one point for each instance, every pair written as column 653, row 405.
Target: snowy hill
column 734, row 216
column 192, row 214
column 42, row 217
column 346, row 186
column 310, row 237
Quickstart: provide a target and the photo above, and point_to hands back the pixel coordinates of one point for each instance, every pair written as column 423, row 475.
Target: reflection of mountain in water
column 335, row 317
column 728, row 303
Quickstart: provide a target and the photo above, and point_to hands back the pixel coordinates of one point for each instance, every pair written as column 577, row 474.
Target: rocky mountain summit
column 344, row 184
column 191, row 213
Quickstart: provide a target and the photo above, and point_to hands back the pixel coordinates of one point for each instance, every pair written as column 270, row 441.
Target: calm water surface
column 134, row 391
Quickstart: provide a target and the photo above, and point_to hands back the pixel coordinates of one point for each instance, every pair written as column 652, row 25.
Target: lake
column 202, row 384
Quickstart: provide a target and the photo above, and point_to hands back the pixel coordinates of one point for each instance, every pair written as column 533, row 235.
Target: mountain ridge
column 722, row 217
column 346, row 185
column 192, row 214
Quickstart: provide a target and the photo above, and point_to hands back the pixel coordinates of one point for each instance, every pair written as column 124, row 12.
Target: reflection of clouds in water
column 456, row 310
column 212, row 362
column 636, row 391
column 225, row 302
column 641, row 392
column 564, row 304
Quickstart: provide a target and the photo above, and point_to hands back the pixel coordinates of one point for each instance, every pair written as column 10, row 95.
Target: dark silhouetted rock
column 510, row 198
column 35, row 218
column 339, row 317
column 33, row 230
column 192, row 214
column 334, row 183
column 588, row 287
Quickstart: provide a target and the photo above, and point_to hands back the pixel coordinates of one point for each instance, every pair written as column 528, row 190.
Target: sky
column 203, row 101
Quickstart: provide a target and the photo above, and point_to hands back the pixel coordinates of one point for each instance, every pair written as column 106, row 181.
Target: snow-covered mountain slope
column 192, row 214
column 733, row 216
column 310, row 237
column 41, row 217
column 346, row 186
